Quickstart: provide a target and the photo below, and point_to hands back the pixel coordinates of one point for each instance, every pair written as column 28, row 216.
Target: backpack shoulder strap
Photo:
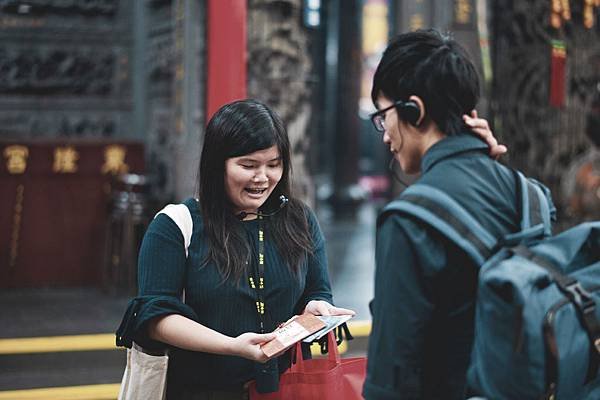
column 180, row 214
column 535, row 208
column 441, row 212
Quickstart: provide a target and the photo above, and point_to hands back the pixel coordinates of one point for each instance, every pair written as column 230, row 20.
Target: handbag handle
column 333, row 354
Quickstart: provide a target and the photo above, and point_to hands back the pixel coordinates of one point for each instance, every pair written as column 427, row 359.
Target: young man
column 425, row 286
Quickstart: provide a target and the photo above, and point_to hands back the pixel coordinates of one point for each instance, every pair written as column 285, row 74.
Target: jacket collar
column 450, row 146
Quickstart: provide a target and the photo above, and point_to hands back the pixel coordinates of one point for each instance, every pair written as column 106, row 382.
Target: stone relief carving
column 86, row 7
column 279, row 67
column 543, row 140
column 57, row 72
column 159, row 70
column 36, row 125
column 158, row 3
column 160, row 145
column 160, row 64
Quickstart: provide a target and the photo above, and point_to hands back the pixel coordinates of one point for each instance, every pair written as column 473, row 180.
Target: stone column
column 278, row 75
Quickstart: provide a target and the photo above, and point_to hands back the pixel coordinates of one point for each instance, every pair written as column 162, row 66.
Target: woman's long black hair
column 237, row 129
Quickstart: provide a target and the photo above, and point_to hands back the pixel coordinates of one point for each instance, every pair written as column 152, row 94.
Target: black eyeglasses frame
column 380, row 114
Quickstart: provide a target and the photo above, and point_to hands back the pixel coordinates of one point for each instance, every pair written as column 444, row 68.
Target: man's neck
column 431, row 134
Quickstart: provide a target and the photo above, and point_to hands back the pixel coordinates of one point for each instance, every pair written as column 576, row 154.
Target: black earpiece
column 410, row 112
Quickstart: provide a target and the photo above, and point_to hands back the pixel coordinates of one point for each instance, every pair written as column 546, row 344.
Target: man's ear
column 422, row 112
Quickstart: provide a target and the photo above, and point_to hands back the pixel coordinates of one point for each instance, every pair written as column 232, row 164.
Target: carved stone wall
column 108, row 69
column 84, row 7
column 65, row 69
column 544, row 141
column 279, row 68
column 158, row 80
column 174, row 80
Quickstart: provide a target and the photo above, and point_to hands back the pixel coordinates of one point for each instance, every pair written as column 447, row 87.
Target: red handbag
column 329, row 378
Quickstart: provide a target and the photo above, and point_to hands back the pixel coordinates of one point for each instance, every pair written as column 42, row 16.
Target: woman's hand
column 480, row 127
column 321, row 307
column 247, row 345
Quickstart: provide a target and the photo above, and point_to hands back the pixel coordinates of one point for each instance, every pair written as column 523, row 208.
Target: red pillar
column 226, row 53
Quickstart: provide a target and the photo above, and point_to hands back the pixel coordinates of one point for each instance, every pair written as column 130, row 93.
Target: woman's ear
column 422, row 112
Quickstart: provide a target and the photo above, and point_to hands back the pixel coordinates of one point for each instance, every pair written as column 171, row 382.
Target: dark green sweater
column 163, row 271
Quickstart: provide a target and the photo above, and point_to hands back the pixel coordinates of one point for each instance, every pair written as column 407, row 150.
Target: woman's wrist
column 230, row 347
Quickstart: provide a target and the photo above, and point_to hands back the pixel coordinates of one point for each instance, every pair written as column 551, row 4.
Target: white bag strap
column 180, row 214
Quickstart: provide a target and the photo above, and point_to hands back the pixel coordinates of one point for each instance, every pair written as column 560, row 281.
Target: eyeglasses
column 378, row 117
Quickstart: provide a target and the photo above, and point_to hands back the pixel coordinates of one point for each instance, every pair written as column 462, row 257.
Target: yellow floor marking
column 106, row 341
column 98, row 342
column 315, row 349
column 89, row 392
column 360, row 328
column 54, row 344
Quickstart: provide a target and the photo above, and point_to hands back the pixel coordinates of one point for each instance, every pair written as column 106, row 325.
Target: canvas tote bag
column 145, row 376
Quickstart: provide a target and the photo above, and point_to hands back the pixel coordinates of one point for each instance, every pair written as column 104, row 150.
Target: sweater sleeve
column 318, row 286
column 161, row 276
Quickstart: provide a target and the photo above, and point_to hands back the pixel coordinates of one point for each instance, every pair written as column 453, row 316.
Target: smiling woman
column 246, row 149
column 250, row 179
column 248, row 255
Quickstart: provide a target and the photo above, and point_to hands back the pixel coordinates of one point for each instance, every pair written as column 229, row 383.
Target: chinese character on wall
column 463, row 12
column 416, row 22
column 114, row 160
column 65, row 160
column 16, row 158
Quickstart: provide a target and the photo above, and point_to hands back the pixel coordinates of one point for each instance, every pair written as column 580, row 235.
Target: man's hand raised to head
column 481, row 128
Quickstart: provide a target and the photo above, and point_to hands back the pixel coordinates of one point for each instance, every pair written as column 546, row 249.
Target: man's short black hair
column 434, row 67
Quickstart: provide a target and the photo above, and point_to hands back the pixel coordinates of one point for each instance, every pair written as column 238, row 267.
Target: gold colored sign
column 560, row 12
column 462, row 11
column 65, row 160
column 16, row 156
column 375, row 27
column 114, row 160
column 589, row 13
column 416, row 22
